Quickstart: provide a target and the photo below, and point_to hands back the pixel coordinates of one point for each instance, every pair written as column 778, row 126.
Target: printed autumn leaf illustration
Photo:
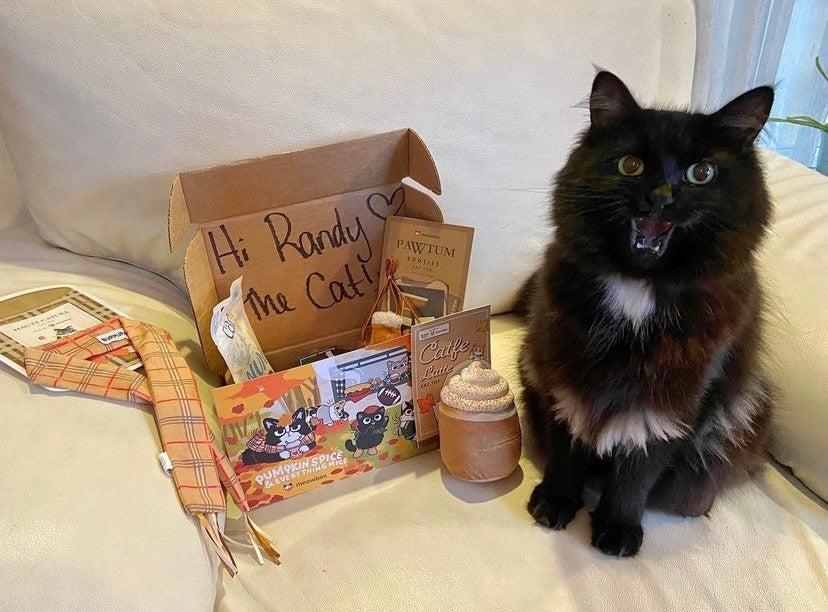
column 426, row 403
column 272, row 386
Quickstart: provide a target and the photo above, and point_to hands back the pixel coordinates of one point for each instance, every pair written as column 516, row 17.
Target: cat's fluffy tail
column 349, row 444
column 523, row 301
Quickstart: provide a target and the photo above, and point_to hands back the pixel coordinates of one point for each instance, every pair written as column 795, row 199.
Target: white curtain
column 745, row 43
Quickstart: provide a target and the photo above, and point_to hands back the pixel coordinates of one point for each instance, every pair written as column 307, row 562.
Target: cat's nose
column 661, row 197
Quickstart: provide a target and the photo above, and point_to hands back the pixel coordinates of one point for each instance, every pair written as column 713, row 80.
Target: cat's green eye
column 700, row 173
column 630, row 165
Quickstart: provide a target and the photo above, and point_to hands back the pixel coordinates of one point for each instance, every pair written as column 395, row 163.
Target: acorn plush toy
column 382, row 325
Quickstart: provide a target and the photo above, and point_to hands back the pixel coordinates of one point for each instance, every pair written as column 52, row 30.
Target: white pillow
column 794, row 265
column 11, row 203
column 102, row 101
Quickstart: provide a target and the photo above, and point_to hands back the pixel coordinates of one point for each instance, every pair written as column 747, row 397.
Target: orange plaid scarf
column 200, row 469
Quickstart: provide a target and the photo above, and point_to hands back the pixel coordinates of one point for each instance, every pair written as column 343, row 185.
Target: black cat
column 280, row 443
column 406, row 428
column 641, row 357
column 369, row 430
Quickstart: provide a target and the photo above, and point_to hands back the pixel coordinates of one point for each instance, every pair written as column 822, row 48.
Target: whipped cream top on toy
column 478, row 389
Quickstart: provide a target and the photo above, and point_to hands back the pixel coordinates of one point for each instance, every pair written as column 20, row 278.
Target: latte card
column 432, row 262
column 437, row 347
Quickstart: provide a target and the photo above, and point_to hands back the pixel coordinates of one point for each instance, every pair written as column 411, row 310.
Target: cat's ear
column 270, row 424
column 610, row 100
column 744, row 117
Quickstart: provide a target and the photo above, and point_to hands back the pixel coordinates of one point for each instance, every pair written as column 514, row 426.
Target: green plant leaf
column 821, row 71
column 806, row 121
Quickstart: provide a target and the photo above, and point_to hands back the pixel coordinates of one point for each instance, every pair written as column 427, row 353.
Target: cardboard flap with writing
column 288, row 178
column 305, row 230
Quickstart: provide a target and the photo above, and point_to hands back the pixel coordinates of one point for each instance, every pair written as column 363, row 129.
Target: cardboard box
column 305, row 229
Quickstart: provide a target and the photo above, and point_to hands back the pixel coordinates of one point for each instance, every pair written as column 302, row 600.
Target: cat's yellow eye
column 630, row 165
column 700, row 173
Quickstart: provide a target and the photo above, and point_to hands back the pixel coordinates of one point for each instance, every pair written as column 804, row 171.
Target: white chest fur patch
column 632, row 430
column 630, row 299
column 628, row 431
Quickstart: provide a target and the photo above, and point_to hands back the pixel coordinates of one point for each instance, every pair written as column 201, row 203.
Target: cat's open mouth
column 650, row 235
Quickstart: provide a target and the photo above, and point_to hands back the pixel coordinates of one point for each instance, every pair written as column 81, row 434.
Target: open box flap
column 285, row 339
column 280, row 180
column 202, row 291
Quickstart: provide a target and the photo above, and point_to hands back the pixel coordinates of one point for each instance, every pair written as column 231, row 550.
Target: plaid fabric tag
column 201, row 471
column 180, row 418
column 72, row 363
column 199, row 466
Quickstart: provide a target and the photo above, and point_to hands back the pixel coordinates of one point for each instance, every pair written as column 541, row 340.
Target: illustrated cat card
column 310, row 426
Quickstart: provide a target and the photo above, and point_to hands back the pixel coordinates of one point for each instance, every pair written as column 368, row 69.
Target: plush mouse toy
column 385, row 325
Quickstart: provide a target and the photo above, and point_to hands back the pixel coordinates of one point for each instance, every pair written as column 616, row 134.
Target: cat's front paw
column 550, row 510
column 617, row 539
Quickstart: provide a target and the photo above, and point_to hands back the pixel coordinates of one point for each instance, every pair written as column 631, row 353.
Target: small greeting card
column 315, row 424
column 436, row 348
column 43, row 315
column 432, row 263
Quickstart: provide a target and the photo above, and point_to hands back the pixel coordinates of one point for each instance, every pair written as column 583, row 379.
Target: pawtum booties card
column 432, row 263
column 312, row 425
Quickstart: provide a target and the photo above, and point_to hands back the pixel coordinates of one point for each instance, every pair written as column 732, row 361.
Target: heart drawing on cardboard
column 383, row 207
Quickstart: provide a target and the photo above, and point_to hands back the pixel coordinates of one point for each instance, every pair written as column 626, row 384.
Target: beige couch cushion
column 94, row 524
column 89, row 520
column 795, row 266
column 410, row 537
column 102, row 101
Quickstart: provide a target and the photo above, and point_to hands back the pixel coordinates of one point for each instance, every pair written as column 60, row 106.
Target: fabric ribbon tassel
column 212, row 538
column 256, row 534
column 200, row 468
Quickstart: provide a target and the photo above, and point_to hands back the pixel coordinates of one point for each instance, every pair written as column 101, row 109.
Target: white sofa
column 89, row 521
